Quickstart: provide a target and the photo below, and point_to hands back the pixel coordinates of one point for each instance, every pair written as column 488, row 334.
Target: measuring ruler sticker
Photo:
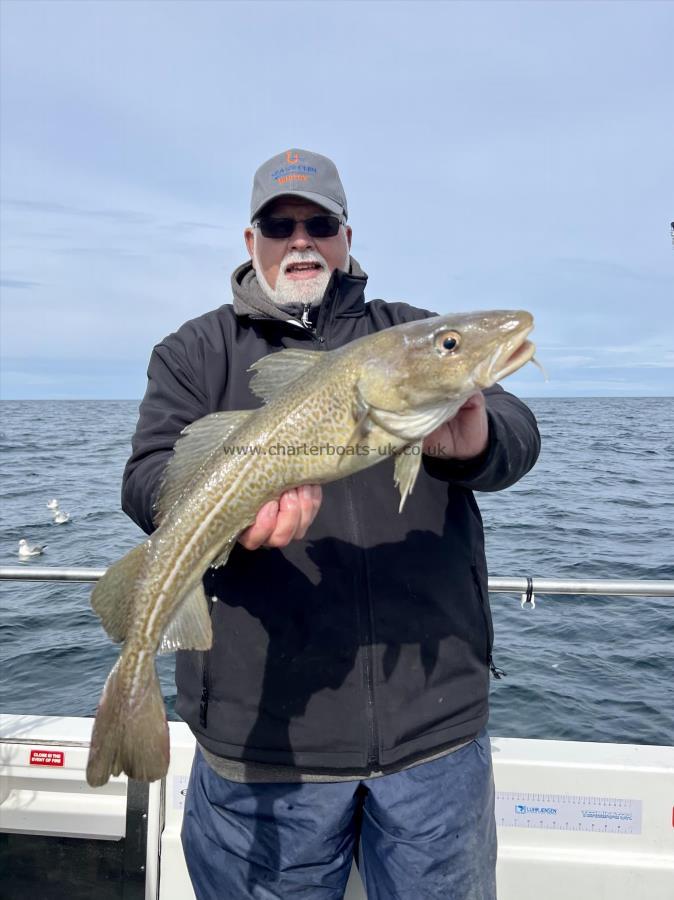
column 180, row 790
column 565, row 812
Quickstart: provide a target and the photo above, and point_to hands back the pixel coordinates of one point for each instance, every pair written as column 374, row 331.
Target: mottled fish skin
column 378, row 391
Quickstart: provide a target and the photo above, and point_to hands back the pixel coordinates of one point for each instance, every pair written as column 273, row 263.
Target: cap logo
column 294, row 170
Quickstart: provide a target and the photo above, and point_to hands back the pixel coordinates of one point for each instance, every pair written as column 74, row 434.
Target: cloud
column 186, row 227
column 105, row 251
column 36, row 378
column 18, row 283
column 122, row 216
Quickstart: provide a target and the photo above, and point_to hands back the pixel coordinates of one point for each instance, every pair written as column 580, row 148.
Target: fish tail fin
column 129, row 738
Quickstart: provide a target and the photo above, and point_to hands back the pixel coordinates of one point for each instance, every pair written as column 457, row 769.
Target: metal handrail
column 596, row 586
column 48, row 573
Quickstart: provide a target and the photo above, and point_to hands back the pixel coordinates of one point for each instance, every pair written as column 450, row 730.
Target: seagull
column 53, row 504
column 60, row 517
column 26, row 549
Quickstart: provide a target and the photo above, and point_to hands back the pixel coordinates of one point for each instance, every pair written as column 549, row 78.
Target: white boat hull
column 575, row 819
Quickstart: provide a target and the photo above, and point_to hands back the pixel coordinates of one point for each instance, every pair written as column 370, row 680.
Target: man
column 343, row 704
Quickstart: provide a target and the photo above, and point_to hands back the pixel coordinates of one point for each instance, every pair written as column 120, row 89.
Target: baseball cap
column 299, row 173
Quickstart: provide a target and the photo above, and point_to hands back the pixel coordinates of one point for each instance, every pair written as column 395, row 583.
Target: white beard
column 307, row 291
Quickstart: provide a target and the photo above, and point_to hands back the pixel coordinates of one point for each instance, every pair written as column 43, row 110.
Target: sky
column 494, row 155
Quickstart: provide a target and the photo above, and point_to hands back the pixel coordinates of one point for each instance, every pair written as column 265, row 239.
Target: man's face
column 297, row 268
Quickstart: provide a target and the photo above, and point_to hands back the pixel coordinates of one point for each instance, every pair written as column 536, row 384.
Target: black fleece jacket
column 368, row 644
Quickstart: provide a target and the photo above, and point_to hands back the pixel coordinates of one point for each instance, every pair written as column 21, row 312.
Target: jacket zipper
column 493, row 668
column 304, row 324
column 367, row 623
column 367, row 628
column 205, row 678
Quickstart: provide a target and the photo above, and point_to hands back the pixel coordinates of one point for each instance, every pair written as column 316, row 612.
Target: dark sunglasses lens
column 277, row 228
column 322, row 226
column 317, row 226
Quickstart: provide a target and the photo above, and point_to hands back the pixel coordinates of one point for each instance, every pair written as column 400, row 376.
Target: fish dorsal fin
column 190, row 628
column 113, row 596
column 194, row 446
column 274, row 372
column 407, row 465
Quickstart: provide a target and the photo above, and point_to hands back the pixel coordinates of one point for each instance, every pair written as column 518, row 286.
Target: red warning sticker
column 47, row 757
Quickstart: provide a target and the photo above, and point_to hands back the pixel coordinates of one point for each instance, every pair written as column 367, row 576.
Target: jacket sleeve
column 512, row 449
column 172, row 401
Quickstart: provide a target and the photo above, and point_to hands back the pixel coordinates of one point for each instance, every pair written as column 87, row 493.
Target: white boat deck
column 575, row 819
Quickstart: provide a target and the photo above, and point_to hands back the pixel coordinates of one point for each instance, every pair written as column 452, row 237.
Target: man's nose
column 300, row 239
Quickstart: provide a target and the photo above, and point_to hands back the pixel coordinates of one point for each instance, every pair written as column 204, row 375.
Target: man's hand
column 281, row 521
column 463, row 437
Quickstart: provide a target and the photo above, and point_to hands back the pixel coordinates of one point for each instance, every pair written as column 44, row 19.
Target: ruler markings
column 568, row 812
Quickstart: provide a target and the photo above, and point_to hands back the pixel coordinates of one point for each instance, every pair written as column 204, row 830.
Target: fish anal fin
column 190, row 628
column 223, row 556
column 193, row 448
column 113, row 596
column 274, row 372
column 407, row 464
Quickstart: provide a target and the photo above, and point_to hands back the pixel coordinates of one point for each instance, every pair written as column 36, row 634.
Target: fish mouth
column 516, row 353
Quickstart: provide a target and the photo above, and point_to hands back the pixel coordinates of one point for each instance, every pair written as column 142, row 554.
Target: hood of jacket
column 250, row 299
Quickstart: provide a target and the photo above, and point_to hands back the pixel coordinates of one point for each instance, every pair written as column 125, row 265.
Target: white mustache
column 308, row 256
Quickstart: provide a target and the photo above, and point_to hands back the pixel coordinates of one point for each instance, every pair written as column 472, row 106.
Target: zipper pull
column 203, row 707
column 497, row 673
column 305, row 316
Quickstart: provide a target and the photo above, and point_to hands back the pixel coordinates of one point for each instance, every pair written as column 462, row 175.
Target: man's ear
column 249, row 238
column 347, row 229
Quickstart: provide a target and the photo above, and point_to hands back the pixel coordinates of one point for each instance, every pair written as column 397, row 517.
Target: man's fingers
column 310, row 496
column 287, row 523
column 262, row 528
column 280, row 522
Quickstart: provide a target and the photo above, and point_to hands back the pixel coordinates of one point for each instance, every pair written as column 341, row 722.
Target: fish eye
column 447, row 341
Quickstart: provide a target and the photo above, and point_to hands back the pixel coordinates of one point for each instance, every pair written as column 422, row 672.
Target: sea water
column 598, row 504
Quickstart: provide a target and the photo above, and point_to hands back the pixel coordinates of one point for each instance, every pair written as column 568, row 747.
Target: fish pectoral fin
column 415, row 424
column 274, row 372
column 113, row 596
column 190, row 628
column 407, row 465
column 194, row 446
column 362, row 425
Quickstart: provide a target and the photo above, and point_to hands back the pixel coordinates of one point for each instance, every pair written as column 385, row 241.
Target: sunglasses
column 280, row 228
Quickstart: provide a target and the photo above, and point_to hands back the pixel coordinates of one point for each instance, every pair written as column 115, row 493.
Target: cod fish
column 386, row 391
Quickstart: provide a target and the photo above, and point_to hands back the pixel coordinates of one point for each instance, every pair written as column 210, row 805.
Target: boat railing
column 526, row 586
